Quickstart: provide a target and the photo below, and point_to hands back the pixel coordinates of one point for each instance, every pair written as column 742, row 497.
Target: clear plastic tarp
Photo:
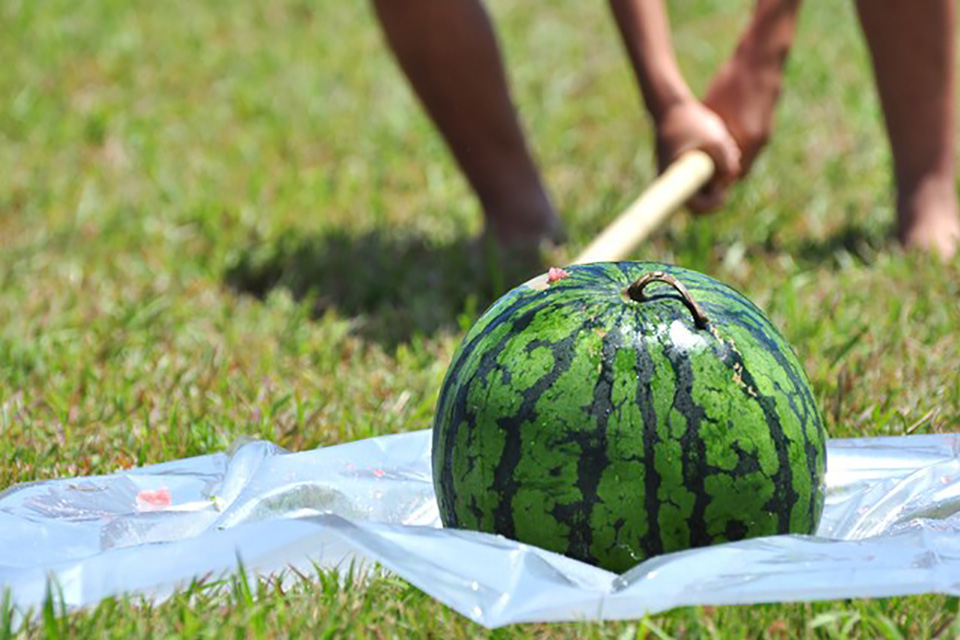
column 891, row 527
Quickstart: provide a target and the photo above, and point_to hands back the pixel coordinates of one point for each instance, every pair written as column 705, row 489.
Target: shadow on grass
column 851, row 243
column 395, row 286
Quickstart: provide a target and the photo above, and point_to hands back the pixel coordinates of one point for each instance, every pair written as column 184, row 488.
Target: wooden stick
column 666, row 194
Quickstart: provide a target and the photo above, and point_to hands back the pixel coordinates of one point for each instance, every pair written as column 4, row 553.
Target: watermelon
column 615, row 411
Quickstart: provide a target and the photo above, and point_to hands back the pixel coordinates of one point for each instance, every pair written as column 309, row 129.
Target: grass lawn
column 232, row 219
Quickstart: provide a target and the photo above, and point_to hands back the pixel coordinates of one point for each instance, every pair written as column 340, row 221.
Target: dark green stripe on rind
column 470, row 362
column 693, row 453
column 652, row 541
column 545, row 504
column 594, row 460
column 503, row 483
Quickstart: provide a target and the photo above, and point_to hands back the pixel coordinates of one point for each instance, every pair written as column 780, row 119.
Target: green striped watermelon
column 611, row 415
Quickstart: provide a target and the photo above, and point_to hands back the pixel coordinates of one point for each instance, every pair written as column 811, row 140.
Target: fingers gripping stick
column 666, row 194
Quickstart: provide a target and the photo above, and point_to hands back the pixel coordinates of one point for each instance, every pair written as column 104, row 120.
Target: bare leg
column 449, row 52
column 913, row 44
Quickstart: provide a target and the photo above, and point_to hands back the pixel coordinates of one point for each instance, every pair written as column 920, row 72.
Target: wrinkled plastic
column 891, row 527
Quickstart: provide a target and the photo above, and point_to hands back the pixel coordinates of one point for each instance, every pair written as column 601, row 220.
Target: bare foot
column 929, row 220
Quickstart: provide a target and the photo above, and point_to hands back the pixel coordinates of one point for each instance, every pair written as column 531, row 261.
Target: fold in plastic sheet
column 891, row 527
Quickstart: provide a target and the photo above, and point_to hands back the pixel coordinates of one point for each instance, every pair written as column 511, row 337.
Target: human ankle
column 523, row 220
column 928, row 219
column 930, row 197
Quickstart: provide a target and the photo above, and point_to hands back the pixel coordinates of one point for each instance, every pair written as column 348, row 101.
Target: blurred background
column 233, row 219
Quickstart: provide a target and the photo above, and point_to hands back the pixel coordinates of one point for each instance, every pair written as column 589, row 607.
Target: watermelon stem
column 635, row 293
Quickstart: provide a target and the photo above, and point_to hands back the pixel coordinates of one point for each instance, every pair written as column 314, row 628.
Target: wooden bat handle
column 666, row 194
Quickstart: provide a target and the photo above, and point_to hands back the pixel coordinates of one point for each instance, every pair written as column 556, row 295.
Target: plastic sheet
column 891, row 527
